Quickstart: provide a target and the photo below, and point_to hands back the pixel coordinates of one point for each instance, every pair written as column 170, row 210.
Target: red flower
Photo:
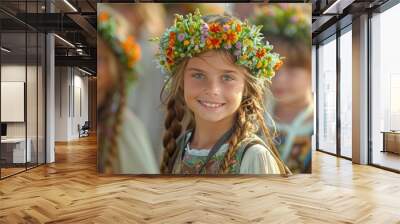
column 260, row 53
column 172, row 36
column 213, row 43
column 169, row 61
column 231, row 37
column 215, row 28
column 170, row 53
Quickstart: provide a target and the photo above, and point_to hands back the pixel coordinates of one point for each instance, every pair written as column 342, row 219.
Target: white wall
column 80, row 89
column 61, row 103
column 13, row 73
column 71, row 87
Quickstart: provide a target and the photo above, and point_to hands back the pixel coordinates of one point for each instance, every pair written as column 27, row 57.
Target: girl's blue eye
column 227, row 77
column 198, row 76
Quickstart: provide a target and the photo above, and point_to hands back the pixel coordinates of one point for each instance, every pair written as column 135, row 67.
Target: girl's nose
column 213, row 87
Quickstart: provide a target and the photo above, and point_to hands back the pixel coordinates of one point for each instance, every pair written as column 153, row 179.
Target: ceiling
column 72, row 20
column 330, row 15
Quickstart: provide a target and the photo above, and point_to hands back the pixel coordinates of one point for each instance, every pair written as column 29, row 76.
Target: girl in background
column 288, row 27
column 148, row 21
column 123, row 145
column 218, row 71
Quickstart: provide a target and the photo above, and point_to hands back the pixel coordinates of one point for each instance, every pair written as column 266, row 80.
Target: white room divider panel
column 12, row 101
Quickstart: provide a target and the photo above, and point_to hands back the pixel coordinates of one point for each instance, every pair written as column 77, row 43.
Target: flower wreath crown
column 191, row 35
column 125, row 47
column 284, row 20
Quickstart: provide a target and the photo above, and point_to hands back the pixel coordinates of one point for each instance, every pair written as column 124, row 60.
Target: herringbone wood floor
column 70, row 191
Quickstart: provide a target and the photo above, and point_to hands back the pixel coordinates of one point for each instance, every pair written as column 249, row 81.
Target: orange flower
column 132, row 50
column 104, row 16
column 131, row 62
column 134, row 56
column 278, row 65
column 128, row 44
column 137, row 52
column 215, row 27
column 238, row 28
column 213, row 43
column 260, row 53
column 231, row 37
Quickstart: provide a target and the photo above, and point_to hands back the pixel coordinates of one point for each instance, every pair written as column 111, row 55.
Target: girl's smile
column 211, row 105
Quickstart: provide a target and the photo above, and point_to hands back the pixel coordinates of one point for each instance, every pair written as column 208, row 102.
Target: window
column 22, row 68
column 327, row 96
column 385, row 88
column 346, row 92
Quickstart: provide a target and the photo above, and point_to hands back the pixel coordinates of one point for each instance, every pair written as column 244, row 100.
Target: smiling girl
column 218, row 70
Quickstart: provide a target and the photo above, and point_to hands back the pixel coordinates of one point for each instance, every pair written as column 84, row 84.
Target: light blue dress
column 294, row 140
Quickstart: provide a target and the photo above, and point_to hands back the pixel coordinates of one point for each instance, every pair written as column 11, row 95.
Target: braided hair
column 174, row 116
column 110, row 114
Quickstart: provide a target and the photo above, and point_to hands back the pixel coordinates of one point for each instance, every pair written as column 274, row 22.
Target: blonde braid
column 230, row 153
column 173, row 126
column 173, row 88
column 112, row 162
column 250, row 119
column 243, row 127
